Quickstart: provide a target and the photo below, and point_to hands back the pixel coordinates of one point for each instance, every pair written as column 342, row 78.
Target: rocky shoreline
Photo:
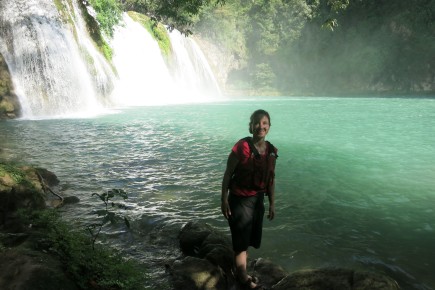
column 206, row 263
column 22, row 265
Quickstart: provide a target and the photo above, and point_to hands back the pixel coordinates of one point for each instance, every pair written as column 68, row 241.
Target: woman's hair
column 257, row 115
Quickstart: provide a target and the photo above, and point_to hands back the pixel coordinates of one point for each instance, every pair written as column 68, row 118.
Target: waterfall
column 146, row 79
column 192, row 71
column 47, row 67
column 57, row 71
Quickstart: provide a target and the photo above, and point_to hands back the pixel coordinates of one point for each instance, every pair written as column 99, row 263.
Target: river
column 355, row 178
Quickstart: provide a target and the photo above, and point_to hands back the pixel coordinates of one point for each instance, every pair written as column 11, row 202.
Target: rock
column 268, row 272
column 32, row 270
column 24, row 187
column 9, row 105
column 49, row 177
column 217, row 249
column 192, row 236
column 70, row 199
column 208, row 263
column 340, row 279
column 193, row 273
column 20, row 188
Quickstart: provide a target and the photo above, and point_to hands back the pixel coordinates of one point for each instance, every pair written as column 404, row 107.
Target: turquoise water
column 355, row 177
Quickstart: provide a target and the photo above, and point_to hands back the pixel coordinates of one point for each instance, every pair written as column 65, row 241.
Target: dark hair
column 256, row 116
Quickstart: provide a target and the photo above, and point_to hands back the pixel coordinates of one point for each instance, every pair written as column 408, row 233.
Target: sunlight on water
column 355, row 184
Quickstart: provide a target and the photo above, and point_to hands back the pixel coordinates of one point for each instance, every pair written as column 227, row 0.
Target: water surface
column 355, row 177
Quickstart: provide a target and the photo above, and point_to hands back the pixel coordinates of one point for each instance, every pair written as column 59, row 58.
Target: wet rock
column 32, row 270
column 20, row 187
column 193, row 273
column 24, row 187
column 192, row 235
column 208, row 263
column 70, row 200
column 268, row 272
column 343, row 279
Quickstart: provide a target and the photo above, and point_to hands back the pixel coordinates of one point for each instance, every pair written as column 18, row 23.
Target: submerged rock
column 207, row 263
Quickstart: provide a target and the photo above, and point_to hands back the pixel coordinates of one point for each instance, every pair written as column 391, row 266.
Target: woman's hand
column 225, row 207
column 271, row 214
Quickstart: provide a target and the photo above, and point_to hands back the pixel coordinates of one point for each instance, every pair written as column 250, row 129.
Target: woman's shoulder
column 242, row 147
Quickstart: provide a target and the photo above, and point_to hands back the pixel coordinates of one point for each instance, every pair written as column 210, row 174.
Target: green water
column 355, row 177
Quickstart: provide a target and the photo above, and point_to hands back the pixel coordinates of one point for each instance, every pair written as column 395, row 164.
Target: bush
column 100, row 268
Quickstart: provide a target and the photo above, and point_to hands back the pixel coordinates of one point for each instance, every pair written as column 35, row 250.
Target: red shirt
column 251, row 174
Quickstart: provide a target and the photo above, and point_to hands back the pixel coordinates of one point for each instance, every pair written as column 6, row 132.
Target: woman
column 249, row 176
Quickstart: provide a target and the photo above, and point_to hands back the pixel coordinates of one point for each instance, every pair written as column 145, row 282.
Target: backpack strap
column 272, row 150
column 252, row 147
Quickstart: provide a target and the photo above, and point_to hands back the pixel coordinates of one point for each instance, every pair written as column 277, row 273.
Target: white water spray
column 191, row 70
column 146, row 79
column 57, row 71
column 143, row 76
column 49, row 74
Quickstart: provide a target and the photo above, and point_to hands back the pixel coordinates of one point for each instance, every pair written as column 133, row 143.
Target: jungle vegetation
column 312, row 46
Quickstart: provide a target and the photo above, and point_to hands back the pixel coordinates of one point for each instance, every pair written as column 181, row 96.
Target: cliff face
column 9, row 105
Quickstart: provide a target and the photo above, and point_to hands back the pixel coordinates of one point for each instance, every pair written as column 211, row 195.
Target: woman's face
column 261, row 127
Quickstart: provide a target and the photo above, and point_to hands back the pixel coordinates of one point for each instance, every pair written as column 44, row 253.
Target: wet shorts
column 246, row 221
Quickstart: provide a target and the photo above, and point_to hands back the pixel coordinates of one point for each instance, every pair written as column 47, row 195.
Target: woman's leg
column 241, row 259
column 241, row 265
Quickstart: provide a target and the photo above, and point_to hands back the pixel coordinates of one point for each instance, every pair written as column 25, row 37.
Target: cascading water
column 191, row 69
column 58, row 72
column 47, row 67
column 146, row 79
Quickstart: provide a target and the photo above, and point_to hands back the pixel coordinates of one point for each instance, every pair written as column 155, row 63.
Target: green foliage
column 180, row 14
column 156, row 29
column 109, row 13
column 14, row 172
column 365, row 45
column 109, row 213
column 231, row 21
column 17, row 174
column 263, row 76
column 98, row 268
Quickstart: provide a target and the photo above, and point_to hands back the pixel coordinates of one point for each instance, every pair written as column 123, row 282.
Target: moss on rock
column 156, row 29
column 9, row 105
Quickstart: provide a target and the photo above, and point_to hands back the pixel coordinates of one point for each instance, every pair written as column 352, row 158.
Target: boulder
column 193, row 273
column 191, row 237
column 208, row 263
column 268, row 272
column 21, row 270
column 340, row 279
column 20, row 187
column 26, row 188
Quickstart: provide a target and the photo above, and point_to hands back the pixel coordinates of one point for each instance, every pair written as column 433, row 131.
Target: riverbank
column 41, row 251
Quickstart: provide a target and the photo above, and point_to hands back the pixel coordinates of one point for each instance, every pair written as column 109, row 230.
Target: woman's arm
column 271, row 196
column 231, row 166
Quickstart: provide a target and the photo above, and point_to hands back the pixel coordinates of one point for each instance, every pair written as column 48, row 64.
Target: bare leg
column 241, row 267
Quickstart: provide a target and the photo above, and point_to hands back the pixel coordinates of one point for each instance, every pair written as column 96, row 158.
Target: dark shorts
column 246, row 221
